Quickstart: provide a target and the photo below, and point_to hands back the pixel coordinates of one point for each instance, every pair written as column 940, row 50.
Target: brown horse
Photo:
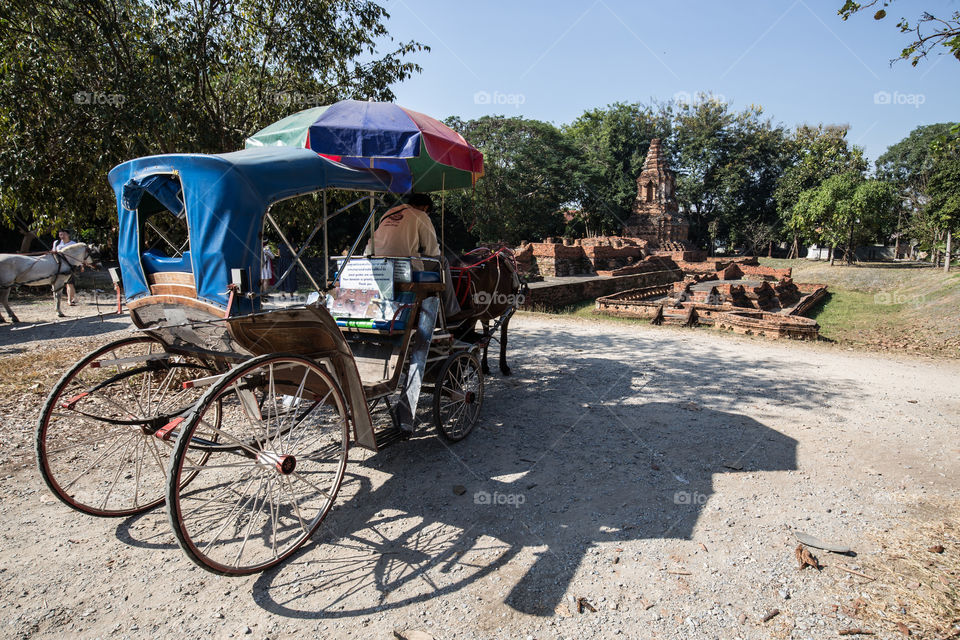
column 489, row 287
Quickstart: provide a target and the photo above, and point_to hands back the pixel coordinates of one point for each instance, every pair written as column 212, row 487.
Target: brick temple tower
column 656, row 217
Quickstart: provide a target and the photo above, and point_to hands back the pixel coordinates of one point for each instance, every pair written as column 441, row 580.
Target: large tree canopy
column 728, row 165
column 86, row 85
column 845, row 209
column 818, row 153
column 612, row 144
column 528, row 178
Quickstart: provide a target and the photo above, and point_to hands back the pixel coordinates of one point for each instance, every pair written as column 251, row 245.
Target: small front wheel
column 274, row 466
column 458, row 396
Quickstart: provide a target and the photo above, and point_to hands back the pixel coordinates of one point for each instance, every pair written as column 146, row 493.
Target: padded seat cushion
column 426, row 276
column 156, row 262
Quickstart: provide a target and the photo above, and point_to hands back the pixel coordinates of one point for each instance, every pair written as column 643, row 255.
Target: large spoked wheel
column 96, row 441
column 273, row 471
column 458, row 396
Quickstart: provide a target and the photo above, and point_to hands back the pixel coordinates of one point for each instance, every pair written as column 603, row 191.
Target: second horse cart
column 236, row 413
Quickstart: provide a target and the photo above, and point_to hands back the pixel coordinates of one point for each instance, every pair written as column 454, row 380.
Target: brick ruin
column 656, row 215
column 667, row 278
column 655, row 228
column 770, row 306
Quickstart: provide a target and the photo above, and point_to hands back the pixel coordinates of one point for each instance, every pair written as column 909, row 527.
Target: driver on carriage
column 406, row 230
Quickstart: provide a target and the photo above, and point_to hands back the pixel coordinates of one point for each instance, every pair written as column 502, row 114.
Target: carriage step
column 391, row 436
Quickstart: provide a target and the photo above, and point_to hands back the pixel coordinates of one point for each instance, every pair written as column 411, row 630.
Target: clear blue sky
column 551, row 60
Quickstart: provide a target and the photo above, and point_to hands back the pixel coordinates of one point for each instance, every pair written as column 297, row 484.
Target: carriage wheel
column 274, row 472
column 96, row 439
column 457, row 396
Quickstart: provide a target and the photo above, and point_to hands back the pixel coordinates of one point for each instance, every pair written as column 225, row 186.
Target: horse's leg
column 483, row 362
column 56, row 298
column 5, row 295
column 504, row 369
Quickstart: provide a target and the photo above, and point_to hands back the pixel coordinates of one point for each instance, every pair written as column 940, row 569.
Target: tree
column 870, row 214
column 909, row 164
column 728, row 165
column 816, row 154
column 86, row 85
column 928, row 31
column 612, row 144
column 528, row 177
column 844, row 210
column 944, row 205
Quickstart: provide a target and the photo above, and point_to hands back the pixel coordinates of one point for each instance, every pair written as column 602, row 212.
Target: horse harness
column 61, row 260
column 463, row 279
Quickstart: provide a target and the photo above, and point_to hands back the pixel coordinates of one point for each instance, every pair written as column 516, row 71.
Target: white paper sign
column 369, row 274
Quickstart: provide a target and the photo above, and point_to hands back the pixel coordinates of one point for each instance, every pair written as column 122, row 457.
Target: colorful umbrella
column 419, row 152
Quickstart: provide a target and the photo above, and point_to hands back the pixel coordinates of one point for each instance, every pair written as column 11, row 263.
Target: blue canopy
column 226, row 197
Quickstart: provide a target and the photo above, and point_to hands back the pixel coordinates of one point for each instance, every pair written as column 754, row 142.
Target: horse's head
column 79, row 254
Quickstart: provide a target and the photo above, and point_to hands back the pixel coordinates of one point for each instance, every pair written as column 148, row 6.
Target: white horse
column 53, row 268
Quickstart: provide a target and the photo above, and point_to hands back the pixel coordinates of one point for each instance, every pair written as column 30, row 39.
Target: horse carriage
column 237, row 413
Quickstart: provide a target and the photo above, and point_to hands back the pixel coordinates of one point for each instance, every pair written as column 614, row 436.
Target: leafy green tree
column 86, row 86
column 728, row 165
column 612, row 144
column 909, row 164
column 816, row 154
column 871, row 214
column 845, row 209
column 944, row 205
column 928, row 31
column 528, row 178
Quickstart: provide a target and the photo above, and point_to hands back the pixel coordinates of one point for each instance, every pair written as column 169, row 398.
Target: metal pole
column 443, row 226
column 354, row 247
column 326, row 244
column 373, row 225
column 296, row 257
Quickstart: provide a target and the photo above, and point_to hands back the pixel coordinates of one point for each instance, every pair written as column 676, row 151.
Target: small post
column 946, row 261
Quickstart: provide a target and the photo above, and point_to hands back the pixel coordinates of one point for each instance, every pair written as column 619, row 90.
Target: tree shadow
column 635, row 460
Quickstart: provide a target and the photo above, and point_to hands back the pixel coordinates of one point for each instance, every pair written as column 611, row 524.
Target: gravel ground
column 657, row 474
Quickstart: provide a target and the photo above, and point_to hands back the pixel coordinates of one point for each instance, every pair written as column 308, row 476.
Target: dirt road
column 657, row 474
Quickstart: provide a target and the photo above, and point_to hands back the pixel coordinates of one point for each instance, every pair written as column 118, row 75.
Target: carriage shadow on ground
column 569, row 453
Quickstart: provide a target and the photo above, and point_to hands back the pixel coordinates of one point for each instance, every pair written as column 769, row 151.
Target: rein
column 59, row 258
column 464, row 279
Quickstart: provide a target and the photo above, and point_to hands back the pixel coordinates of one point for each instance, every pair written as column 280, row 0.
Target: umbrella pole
column 326, row 244
column 373, row 226
column 443, row 226
column 373, row 223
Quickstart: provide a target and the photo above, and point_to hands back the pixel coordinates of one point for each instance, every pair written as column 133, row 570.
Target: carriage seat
column 156, row 262
column 426, row 276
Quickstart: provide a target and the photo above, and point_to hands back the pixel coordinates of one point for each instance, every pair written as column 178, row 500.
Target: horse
column 52, row 267
column 488, row 285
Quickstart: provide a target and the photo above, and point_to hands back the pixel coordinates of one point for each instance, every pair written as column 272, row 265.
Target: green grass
column 885, row 306
column 870, row 306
